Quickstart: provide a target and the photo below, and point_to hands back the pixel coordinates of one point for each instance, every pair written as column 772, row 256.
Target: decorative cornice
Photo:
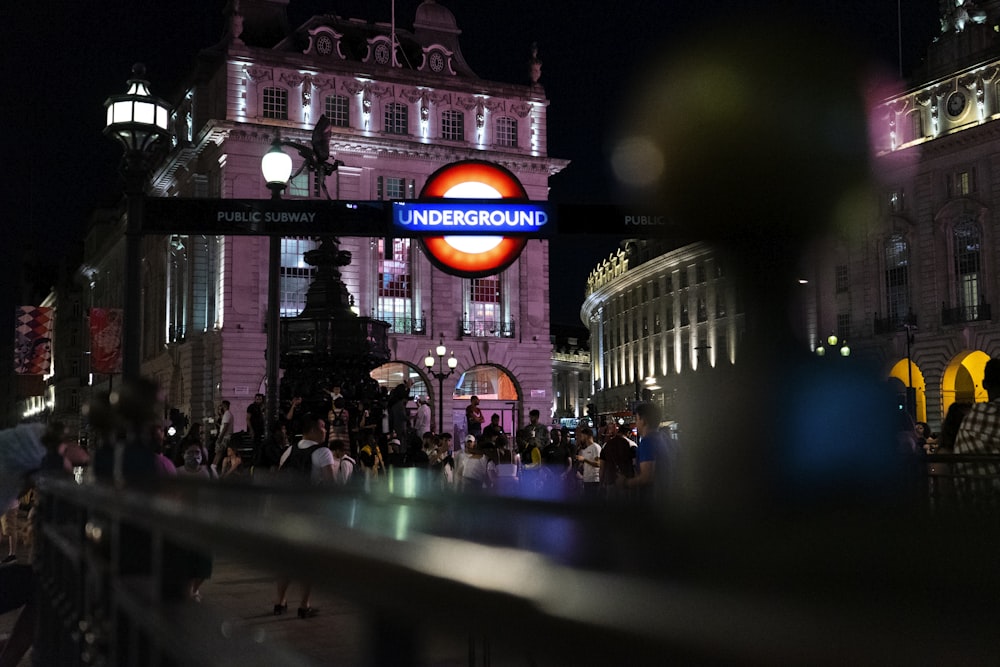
column 258, row 74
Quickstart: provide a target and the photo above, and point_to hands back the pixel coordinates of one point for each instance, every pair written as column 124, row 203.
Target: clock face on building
column 324, row 45
column 436, row 61
column 382, row 53
column 956, row 104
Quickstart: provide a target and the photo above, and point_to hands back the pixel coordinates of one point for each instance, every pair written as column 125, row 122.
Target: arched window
column 486, row 382
column 897, row 279
column 392, row 374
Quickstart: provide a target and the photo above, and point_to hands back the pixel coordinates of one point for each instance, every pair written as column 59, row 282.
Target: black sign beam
column 311, row 217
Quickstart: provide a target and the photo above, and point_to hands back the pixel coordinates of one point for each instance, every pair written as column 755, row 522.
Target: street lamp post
column 911, row 394
column 138, row 121
column 452, row 363
column 832, row 340
column 276, row 166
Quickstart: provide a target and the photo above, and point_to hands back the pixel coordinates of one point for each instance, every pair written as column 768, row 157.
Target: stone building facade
column 401, row 106
column 913, row 285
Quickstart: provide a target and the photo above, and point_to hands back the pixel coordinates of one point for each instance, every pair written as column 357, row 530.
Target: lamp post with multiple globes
column 452, row 363
column 832, row 340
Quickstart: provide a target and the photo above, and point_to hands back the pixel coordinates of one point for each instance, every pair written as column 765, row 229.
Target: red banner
column 33, row 340
column 106, row 340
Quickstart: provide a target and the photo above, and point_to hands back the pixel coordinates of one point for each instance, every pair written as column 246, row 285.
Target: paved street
column 242, row 598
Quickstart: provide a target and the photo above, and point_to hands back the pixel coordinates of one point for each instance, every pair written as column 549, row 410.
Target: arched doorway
column 963, row 379
column 498, row 393
column 393, row 373
column 906, row 371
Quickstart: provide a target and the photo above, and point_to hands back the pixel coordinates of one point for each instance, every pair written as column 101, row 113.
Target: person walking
column 256, row 425
column 310, row 457
column 224, row 421
column 589, row 456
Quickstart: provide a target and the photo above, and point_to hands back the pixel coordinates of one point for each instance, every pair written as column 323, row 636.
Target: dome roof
column 432, row 16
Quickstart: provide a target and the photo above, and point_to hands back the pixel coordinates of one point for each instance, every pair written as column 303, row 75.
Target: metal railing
column 963, row 482
column 884, row 325
column 486, row 328
column 406, row 325
column 976, row 313
column 566, row 584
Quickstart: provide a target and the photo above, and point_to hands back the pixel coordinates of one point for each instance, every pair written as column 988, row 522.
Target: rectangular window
column 391, row 187
column 453, row 125
column 842, row 280
column 275, row 103
column 337, row 110
column 295, row 275
column 895, row 199
column 395, row 289
column 843, row 326
column 962, row 183
column 685, row 278
column 506, row 132
column 396, row 118
column 967, row 265
column 485, row 314
column 897, row 277
column 915, row 126
column 700, row 274
column 965, row 182
column 298, row 186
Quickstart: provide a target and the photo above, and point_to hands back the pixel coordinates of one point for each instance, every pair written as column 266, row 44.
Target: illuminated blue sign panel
column 479, row 217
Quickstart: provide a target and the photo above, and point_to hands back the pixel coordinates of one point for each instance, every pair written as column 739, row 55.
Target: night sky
column 63, row 59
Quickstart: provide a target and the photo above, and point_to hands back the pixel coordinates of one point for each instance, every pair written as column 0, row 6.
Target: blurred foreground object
column 755, row 136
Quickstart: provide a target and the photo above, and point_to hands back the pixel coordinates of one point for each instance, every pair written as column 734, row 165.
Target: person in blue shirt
column 651, row 451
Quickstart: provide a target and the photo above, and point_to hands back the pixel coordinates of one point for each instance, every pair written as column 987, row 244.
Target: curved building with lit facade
column 656, row 315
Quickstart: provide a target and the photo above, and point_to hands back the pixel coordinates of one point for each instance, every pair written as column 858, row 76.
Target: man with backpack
column 310, row 456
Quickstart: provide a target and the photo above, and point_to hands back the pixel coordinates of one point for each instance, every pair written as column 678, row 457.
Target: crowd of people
column 341, row 445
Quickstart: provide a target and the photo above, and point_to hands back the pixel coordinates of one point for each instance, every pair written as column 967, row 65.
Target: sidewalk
column 242, row 598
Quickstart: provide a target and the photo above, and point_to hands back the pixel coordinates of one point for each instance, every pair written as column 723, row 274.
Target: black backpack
column 299, row 460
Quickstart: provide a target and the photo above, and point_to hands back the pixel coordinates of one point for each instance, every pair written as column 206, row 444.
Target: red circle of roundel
column 453, row 260
column 478, row 264
column 473, row 171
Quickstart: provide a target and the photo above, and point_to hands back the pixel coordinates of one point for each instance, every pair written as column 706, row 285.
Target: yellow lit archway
column 963, row 379
column 902, row 372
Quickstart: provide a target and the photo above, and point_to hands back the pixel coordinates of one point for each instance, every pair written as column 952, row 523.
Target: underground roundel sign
column 467, row 255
